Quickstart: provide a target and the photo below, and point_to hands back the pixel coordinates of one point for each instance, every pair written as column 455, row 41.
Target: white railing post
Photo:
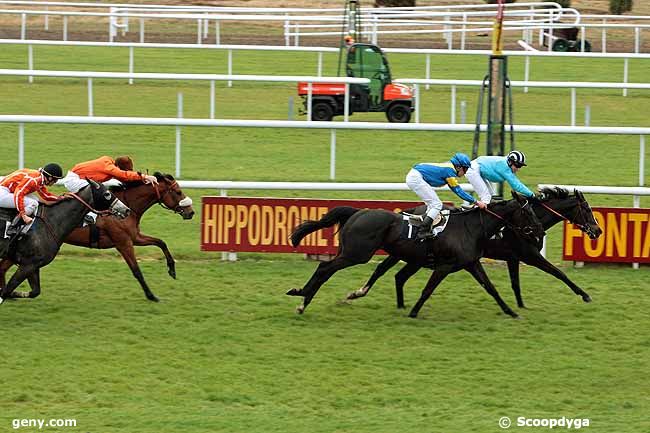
column 142, row 30
column 217, row 33
column 346, row 103
column 310, row 91
column 637, row 40
column 30, row 62
column 199, row 31
column 417, row 102
column 427, row 71
column 573, row 106
column 319, row 72
column 46, row 20
column 332, row 154
column 131, row 64
column 229, row 66
column 287, row 40
column 21, row 145
column 90, row 97
column 65, row 28
column 23, row 26
column 626, row 65
column 212, row 99
column 453, row 103
column 526, row 72
column 583, row 38
column 603, row 38
column 177, row 172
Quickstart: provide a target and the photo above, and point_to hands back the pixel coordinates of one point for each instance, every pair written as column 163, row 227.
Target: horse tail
column 339, row 214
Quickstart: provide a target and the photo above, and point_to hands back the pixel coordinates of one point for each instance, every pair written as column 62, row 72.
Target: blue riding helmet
column 461, row 160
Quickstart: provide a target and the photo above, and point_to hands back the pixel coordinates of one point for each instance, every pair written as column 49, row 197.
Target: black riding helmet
column 52, row 170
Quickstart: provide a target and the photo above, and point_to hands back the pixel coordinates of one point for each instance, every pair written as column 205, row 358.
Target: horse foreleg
column 128, row 253
column 145, row 240
column 434, row 280
column 323, row 273
column 34, row 280
column 401, row 278
column 5, row 264
column 477, row 271
column 16, row 280
column 380, row 270
column 540, row 262
column 513, row 271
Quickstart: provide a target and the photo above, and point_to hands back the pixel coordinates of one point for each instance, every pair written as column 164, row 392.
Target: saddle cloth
column 410, row 227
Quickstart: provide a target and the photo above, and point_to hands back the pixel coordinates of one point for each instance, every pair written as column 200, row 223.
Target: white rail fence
column 21, row 120
column 211, row 78
column 321, row 50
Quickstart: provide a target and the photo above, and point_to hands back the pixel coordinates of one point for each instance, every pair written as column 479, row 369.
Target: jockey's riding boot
column 15, row 225
column 424, row 231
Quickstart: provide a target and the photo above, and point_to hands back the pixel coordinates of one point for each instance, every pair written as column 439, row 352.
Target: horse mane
column 127, row 185
column 549, row 193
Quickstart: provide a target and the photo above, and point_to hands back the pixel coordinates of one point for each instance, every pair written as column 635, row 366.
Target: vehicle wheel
column 561, row 45
column 321, row 112
column 399, row 113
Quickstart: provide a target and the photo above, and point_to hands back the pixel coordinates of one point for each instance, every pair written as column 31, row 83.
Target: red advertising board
column 252, row 224
column 625, row 238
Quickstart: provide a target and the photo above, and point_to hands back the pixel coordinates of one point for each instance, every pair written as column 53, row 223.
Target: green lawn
column 224, row 350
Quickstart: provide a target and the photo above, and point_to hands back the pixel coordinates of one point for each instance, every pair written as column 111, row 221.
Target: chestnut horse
column 124, row 234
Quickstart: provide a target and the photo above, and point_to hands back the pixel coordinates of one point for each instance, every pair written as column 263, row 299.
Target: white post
column 287, row 41
column 65, row 28
column 30, row 61
column 212, row 102
column 625, row 73
column 462, row 33
column 603, row 38
column 217, row 33
column 310, row 89
column 583, row 33
column 453, row 103
column 587, row 115
column 199, row 31
column 573, row 106
column 296, row 35
column 319, row 72
column 229, row 66
column 427, row 72
column 346, row 103
column 417, row 103
column 90, row 97
column 332, row 154
column 177, row 173
column 206, row 28
column 21, row 145
column 131, row 64
column 141, row 30
column 47, row 20
column 526, row 72
column 23, row 26
column 637, row 40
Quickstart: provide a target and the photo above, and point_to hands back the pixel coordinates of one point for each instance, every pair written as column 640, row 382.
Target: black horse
column 51, row 226
column 556, row 205
column 458, row 247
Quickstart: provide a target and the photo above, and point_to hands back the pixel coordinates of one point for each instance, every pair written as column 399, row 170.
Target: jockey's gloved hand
column 150, row 179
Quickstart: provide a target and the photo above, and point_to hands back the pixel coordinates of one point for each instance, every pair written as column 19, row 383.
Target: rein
column 526, row 230
column 553, row 211
column 82, row 201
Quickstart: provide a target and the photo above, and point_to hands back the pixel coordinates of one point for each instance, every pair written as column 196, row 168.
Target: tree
column 618, row 7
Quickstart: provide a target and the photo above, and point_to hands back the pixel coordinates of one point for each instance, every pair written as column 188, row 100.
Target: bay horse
column 556, row 205
column 52, row 225
column 457, row 247
column 124, row 234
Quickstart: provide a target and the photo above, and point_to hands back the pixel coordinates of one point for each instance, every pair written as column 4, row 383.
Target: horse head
column 572, row 208
column 101, row 199
column 524, row 220
column 170, row 196
column 584, row 217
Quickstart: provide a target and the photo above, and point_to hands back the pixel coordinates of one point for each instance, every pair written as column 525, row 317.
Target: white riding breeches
column 426, row 192
column 483, row 187
column 73, row 182
column 7, row 201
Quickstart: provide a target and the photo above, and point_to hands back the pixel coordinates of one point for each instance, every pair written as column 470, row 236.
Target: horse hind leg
column 323, row 273
column 380, row 270
column 16, row 280
column 128, row 254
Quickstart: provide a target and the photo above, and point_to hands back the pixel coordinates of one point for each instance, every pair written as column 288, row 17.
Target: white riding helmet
column 517, row 158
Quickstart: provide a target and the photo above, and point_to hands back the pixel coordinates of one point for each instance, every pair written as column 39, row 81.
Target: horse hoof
column 413, row 315
column 294, row 292
column 587, row 299
column 352, row 295
column 300, row 309
column 172, row 273
column 153, row 298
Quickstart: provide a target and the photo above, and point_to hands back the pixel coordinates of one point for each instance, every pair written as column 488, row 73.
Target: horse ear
column 579, row 194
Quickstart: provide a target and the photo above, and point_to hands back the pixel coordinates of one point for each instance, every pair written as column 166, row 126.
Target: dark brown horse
column 124, row 234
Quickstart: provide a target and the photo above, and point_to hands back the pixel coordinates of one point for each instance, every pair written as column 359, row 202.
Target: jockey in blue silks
column 424, row 177
column 487, row 169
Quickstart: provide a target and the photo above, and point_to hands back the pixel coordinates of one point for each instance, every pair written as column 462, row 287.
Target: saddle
column 411, row 224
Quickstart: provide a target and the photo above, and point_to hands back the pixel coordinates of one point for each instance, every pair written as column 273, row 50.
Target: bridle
column 159, row 198
column 579, row 213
